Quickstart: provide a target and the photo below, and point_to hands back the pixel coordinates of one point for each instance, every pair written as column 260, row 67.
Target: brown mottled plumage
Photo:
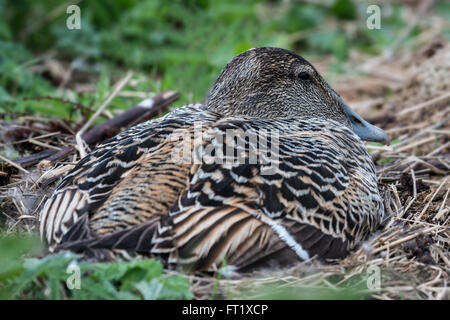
column 131, row 195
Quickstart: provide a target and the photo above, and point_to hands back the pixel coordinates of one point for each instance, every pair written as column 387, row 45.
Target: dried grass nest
column 412, row 250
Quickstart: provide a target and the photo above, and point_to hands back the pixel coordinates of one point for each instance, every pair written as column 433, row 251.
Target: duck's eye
column 304, row 75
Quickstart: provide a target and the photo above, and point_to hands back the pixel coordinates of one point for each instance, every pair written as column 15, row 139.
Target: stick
column 405, row 239
column 14, row 164
column 143, row 111
column 78, row 137
column 441, row 100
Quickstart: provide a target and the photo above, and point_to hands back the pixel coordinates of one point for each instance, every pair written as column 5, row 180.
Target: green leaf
column 51, row 267
column 344, row 9
column 172, row 287
column 385, row 161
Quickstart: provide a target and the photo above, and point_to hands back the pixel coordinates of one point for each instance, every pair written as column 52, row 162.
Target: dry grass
column 411, row 250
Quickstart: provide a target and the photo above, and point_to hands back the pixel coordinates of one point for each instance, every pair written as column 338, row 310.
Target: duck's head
column 277, row 83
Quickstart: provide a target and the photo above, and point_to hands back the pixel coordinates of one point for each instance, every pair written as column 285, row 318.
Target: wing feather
column 319, row 197
column 91, row 182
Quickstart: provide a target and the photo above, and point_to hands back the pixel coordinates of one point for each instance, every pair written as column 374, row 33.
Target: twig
column 429, row 202
column 413, row 177
column 38, row 137
column 424, row 131
column 43, row 144
column 14, row 164
column 414, row 144
column 436, row 151
column 405, row 239
column 441, row 208
column 78, row 137
column 441, row 100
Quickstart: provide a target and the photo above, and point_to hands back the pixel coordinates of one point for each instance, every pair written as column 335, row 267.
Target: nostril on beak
column 356, row 121
column 363, row 129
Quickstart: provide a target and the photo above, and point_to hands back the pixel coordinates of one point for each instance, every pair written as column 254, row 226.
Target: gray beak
column 363, row 129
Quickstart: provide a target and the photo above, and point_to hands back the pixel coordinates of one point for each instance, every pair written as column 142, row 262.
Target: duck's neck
column 250, row 106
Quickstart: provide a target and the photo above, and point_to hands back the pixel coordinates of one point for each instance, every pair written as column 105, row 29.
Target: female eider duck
column 303, row 185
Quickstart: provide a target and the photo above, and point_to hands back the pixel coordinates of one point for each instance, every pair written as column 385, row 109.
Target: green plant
column 45, row 278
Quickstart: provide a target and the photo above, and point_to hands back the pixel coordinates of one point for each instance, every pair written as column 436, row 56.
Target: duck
column 269, row 171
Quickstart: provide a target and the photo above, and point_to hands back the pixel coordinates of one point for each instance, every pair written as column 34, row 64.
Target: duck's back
column 288, row 190
column 124, row 181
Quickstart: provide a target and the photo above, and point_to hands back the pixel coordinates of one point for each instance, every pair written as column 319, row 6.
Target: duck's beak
column 363, row 129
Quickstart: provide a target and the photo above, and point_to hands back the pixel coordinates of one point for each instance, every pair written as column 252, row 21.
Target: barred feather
column 131, row 194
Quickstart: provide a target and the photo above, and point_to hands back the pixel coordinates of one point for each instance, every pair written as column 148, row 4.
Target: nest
column 407, row 258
